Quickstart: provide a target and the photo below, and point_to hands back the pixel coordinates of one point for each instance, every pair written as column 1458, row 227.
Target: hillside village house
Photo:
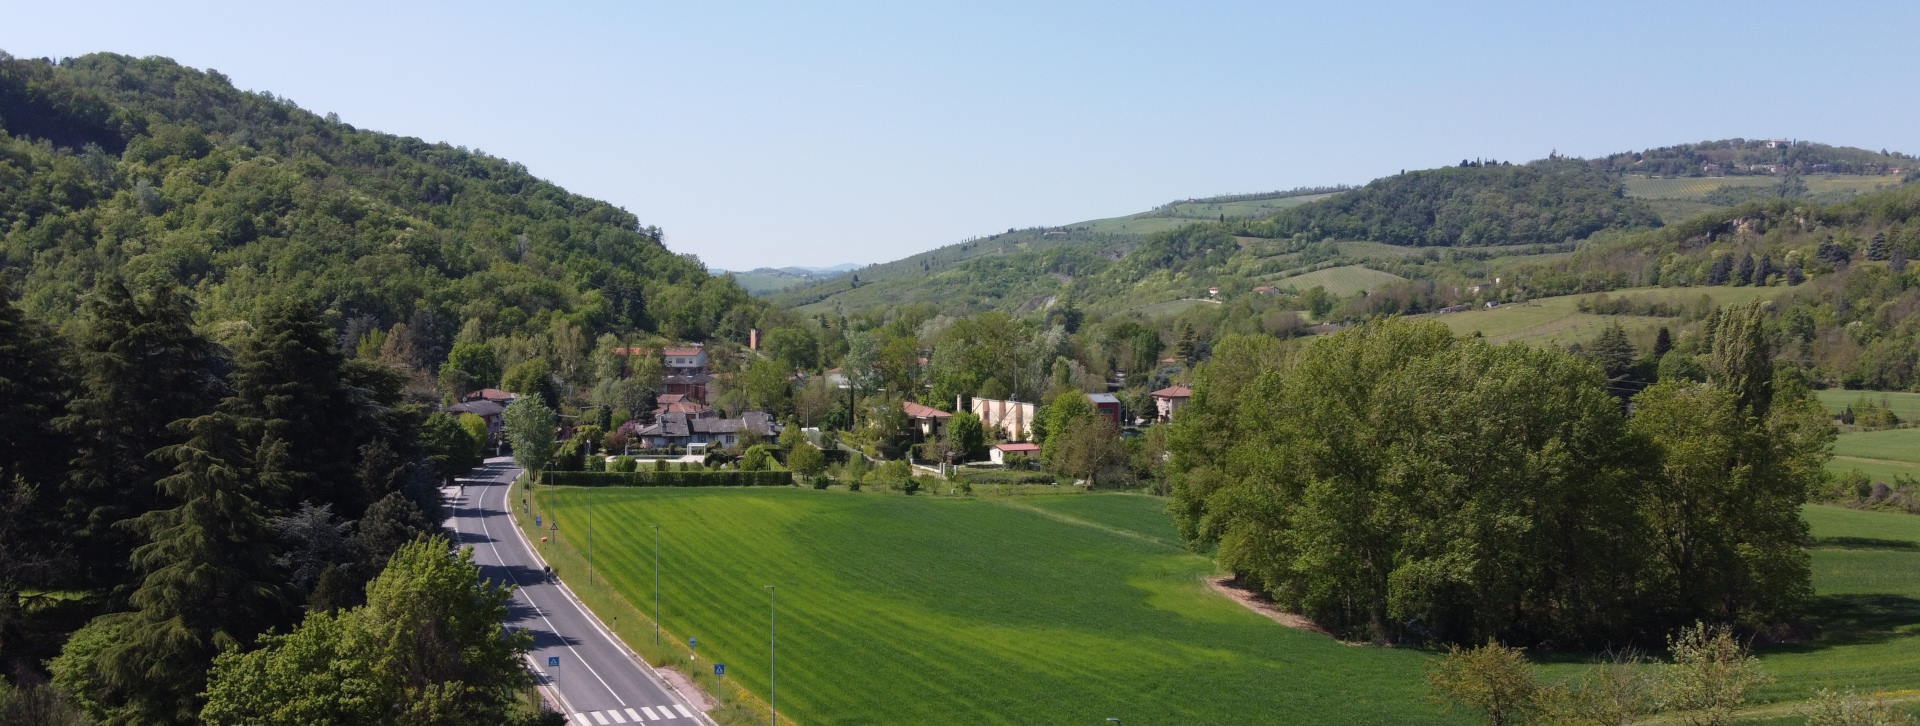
column 1107, row 405
column 929, row 420
column 1168, row 401
column 1013, row 418
column 487, row 403
column 686, row 370
column 691, row 430
column 999, row 453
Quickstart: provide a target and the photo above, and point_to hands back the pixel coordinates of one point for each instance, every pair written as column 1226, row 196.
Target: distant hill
column 143, row 167
column 768, row 280
column 1764, row 157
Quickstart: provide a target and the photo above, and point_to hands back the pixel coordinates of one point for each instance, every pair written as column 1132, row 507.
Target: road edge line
column 594, row 618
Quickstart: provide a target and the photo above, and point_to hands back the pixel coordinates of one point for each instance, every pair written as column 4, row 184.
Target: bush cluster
column 699, row 478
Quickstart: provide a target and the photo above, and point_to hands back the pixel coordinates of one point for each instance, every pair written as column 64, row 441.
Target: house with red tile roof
column 1169, row 400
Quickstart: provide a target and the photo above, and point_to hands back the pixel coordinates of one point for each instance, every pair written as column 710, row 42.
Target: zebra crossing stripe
column 649, row 712
column 635, row 715
column 583, row 719
column 602, row 718
column 617, row 718
column 683, row 710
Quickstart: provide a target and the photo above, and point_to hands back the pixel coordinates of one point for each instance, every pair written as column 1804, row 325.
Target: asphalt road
column 597, row 682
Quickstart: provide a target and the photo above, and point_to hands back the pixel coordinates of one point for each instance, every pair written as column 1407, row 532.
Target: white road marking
column 598, row 716
column 650, row 716
column 617, row 718
column 584, row 721
column 522, row 591
column 635, row 715
column 683, row 710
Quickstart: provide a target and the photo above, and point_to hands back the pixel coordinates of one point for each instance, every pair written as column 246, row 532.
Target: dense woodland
column 1755, row 156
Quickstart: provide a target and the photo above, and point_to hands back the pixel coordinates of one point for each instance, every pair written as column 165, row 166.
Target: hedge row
column 646, row 478
column 1003, row 476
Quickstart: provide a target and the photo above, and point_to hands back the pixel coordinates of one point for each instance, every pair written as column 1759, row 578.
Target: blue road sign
column 536, row 520
column 719, row 669
column 693, row 642
column 553, row 661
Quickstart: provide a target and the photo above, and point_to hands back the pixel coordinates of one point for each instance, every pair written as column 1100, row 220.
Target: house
column 682, row 430
column 1213, row 292
column 491, row 394
column 999, row 453
column 1169, row 400
column 686, row 371
column 1265, row 289
column 1107, row 405
column 928, row 419
column 1014, row 418
column 678, row 403
column 837, row 378
column 489, row 411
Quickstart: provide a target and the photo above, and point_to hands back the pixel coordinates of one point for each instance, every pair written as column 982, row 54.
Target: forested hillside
column 110, row 163
column 1754, row 156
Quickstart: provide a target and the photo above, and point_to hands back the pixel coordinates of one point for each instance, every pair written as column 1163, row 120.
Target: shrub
column 1710, row 676
column 1492, row 679
column 731, row 478
column 1005, row 476
column 757, row 458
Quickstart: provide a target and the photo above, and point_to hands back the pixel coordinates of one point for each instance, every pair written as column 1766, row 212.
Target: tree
column 1795, row 275
column 1835, row 708
column 1662, row 342
column 756, row 458
column 1492, row 679
column 33, row 383
column 1877, row 249
column 141, row 366
column 806, row 460
column 153, row 666
column 533, row 378
column 1720, row 271
column 1897, row 261
column 529, row 430
column 1617, row 692
column 1763, row 273
column 1613, row 352
column 477, row 430
column 428, row 647
column 450, row 447
column 290, row 384
column 314, row 540
column 1710, row 676
column 1087, row 448
column 965, row 436
column 470, row 366
column 768, row 388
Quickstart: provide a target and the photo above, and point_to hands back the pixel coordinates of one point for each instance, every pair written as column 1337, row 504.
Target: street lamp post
column 656, row 584
column 773, row 660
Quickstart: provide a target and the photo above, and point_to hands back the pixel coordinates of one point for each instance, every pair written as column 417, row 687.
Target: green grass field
column 1558, row 320
column 1881, row 455
column 1341, row 281
column 900, row 610
column 1904, row 405
column 1077, row 608
column 1677, row 198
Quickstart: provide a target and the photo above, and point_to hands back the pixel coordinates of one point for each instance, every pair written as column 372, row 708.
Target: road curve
column 598, row 681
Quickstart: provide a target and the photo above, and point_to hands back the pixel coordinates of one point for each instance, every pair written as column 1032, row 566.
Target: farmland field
column 1677, row 198
column 1076, row 608
column 1341, row 281
column 1904, row 405
column 1558, row 320
column 1881, row 455
column 898, row 609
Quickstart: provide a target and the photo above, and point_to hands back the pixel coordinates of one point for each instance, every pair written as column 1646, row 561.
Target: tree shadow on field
column 1867, row 543
column 1858, row 619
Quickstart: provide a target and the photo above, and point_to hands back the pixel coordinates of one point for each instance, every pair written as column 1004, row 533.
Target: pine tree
column 1662, row 342
column 1877, row 249
column 33, row 386
column 1720, row 270
column 1763, row 273
column 1743, row 273
column 1613, row 352
column 1795, row 275
column 290, row 384
column 141, row 366
column 208, row 581
column 1897, row 261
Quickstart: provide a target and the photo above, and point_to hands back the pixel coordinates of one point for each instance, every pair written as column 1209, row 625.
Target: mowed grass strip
column 1340, row 281
column 898, row 610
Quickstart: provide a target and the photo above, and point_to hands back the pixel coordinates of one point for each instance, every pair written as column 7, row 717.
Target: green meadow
column 1882, row 454
column 1079, row 608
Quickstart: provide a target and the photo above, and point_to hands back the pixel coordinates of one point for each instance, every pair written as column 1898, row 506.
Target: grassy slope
column 1677, row 198
column 917, row 610
column 1904, row 405
column 1341, row 281
column 1879, row 454
column 1558, row 320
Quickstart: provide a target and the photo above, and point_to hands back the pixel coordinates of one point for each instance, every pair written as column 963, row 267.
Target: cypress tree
column 1743, row 273
column 1764, row 271
column 1662, row 342
column 141, row 366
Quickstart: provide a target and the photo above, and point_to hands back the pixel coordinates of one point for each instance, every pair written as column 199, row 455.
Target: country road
column 598, row 681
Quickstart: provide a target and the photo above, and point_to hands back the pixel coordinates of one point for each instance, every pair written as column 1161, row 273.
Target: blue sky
column 817, row 133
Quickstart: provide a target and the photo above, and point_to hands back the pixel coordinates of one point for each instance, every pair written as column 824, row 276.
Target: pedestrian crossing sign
column 553, row 661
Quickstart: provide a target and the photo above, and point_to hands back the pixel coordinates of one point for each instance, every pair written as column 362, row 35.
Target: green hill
column 143, row 167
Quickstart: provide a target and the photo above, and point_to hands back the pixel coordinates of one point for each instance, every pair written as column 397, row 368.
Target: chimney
column 753, row 338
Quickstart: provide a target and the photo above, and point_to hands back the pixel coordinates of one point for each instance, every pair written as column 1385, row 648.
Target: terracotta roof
column 691, row 351
column 666, row 398
column 492, row 394
column 918, row 411
column 1174, row 392
column 1014, row 448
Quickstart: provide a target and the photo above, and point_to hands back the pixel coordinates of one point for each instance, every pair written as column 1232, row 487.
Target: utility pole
column 772, row 659
column 656, row 584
